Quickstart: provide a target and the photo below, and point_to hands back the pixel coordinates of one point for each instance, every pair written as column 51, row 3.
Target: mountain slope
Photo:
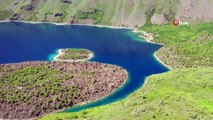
column 131, row 13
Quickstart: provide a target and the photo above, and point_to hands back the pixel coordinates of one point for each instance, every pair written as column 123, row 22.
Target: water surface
column 32, row 42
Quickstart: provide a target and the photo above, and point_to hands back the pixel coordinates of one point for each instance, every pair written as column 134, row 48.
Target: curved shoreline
column 134, row 30
column 158, row 59
column 93, row 25
column 90, row 102
column 91, row 55
column 149, row 37
column 60, row 53
column 64, row 110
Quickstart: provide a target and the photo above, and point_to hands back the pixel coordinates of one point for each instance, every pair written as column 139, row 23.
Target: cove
column 39, row 42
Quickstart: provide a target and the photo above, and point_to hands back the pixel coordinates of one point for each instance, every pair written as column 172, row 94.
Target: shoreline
column 148, row 37
column 60, row 53
column 64, row 110
column 92, row 101
column 92, row 25
column 159, row 60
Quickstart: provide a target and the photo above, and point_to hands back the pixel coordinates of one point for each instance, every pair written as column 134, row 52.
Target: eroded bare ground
column 32, row 89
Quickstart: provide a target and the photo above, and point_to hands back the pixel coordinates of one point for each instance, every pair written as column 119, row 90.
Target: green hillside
column 133, row 13
column 185, row 46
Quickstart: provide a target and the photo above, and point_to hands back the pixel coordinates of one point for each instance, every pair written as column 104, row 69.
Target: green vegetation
column 4, row 14
column 185, row 46
column 22, row 85
column 94, row 14
column 74, row 54
column 178, row 94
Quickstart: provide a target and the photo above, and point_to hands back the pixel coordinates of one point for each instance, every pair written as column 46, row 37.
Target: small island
column 73, row 55
column 33, row 89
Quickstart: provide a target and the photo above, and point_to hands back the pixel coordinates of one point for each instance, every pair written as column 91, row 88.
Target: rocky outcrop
column 58, row 14
column 15, row 16
column 30, row 7
column 73, row 20
column 27, row 7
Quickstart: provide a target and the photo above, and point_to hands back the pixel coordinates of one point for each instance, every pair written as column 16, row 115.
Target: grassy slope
column 185, row 46
column 178, row 94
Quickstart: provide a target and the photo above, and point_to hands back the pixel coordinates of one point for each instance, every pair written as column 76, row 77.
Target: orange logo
column 176, row 22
